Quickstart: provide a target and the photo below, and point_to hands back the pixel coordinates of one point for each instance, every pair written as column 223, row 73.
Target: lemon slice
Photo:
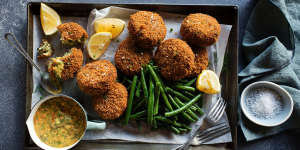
column 98, row 44
column 113, row 25
column 208, row 82
column 49, row 19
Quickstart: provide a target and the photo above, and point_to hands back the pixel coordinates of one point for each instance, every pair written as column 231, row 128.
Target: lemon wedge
column 49, row 19
column 208, row 82
column 98, row 44
column 113, row 25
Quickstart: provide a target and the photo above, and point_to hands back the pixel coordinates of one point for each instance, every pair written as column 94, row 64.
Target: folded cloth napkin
column 271, row 48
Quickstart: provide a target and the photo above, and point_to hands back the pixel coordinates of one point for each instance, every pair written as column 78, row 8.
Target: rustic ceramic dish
column 286, row 101
column 36, row 139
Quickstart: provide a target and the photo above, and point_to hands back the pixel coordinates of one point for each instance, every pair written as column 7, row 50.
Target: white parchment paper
column 132, row 132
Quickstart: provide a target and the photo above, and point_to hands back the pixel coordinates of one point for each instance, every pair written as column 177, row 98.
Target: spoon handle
column 20, row 49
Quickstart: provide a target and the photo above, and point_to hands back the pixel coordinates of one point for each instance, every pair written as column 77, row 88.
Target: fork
column 214, row 115
column 216, row 112
column 212, row 133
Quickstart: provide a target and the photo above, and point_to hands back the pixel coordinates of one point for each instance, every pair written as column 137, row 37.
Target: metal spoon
column 49, row 85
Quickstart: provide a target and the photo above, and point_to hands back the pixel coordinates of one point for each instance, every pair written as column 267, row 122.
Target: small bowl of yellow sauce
column 59, row 122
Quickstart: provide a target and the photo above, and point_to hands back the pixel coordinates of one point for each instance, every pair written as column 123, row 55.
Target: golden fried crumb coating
column 147, row 29
column 201, row 61
column 66, row 67
column 72, row 33
column 95, row 78
column 175, row 59
column 72, row 63
column 130, row 59
column 200, row 30
column 112, row 104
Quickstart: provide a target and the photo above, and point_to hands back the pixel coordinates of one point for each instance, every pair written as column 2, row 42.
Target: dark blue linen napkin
column 271, row 48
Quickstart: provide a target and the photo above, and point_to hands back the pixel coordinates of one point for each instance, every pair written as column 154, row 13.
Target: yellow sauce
column 59, row 122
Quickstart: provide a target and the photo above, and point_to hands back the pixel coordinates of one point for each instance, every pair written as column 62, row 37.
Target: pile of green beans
column 161, row 103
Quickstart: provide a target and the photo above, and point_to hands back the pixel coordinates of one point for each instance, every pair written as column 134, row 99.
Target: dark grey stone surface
column 12, row 76
column 12, row 73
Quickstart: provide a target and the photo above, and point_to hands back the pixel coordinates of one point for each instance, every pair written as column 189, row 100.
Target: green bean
column 186, row 126
column 168, row 121
column 186, row 88
column 177, row 83
column 187, row 93
column 138, row 89
column 150, row 103
column 175, row 123
column 193, row 108
column 191, row 113
column 195, row 105
column 138, row 114
column 198, row 109
column 182, row 125
column 156, row 102
column 182, row 130
column 164, row 119
column 175, row 130
column 175, row 118
column 173, row 101
column 164, row 96
column 154, row 67
column 129, row 102
column 184, row 107
column 184, row 92
column 144, row 85
column 183, row 80
column 154, row 123
column 191, row 82
column 184, row 114
column 160, row 80
column 158, row 76
column 178, row 94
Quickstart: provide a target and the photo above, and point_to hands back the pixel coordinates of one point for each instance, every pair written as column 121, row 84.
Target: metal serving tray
column 225, row 14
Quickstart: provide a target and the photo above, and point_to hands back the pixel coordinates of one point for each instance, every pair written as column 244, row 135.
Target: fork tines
column 217, row 110
column 212, row 133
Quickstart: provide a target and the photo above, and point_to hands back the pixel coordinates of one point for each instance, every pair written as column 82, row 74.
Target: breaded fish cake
column 200, row 30
column 201, row 61
column 112, row 104
column 66, row 67
column 147, row 29
column 175, row 59
column 72, row 33
column 130, row 59
column 95, row 78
